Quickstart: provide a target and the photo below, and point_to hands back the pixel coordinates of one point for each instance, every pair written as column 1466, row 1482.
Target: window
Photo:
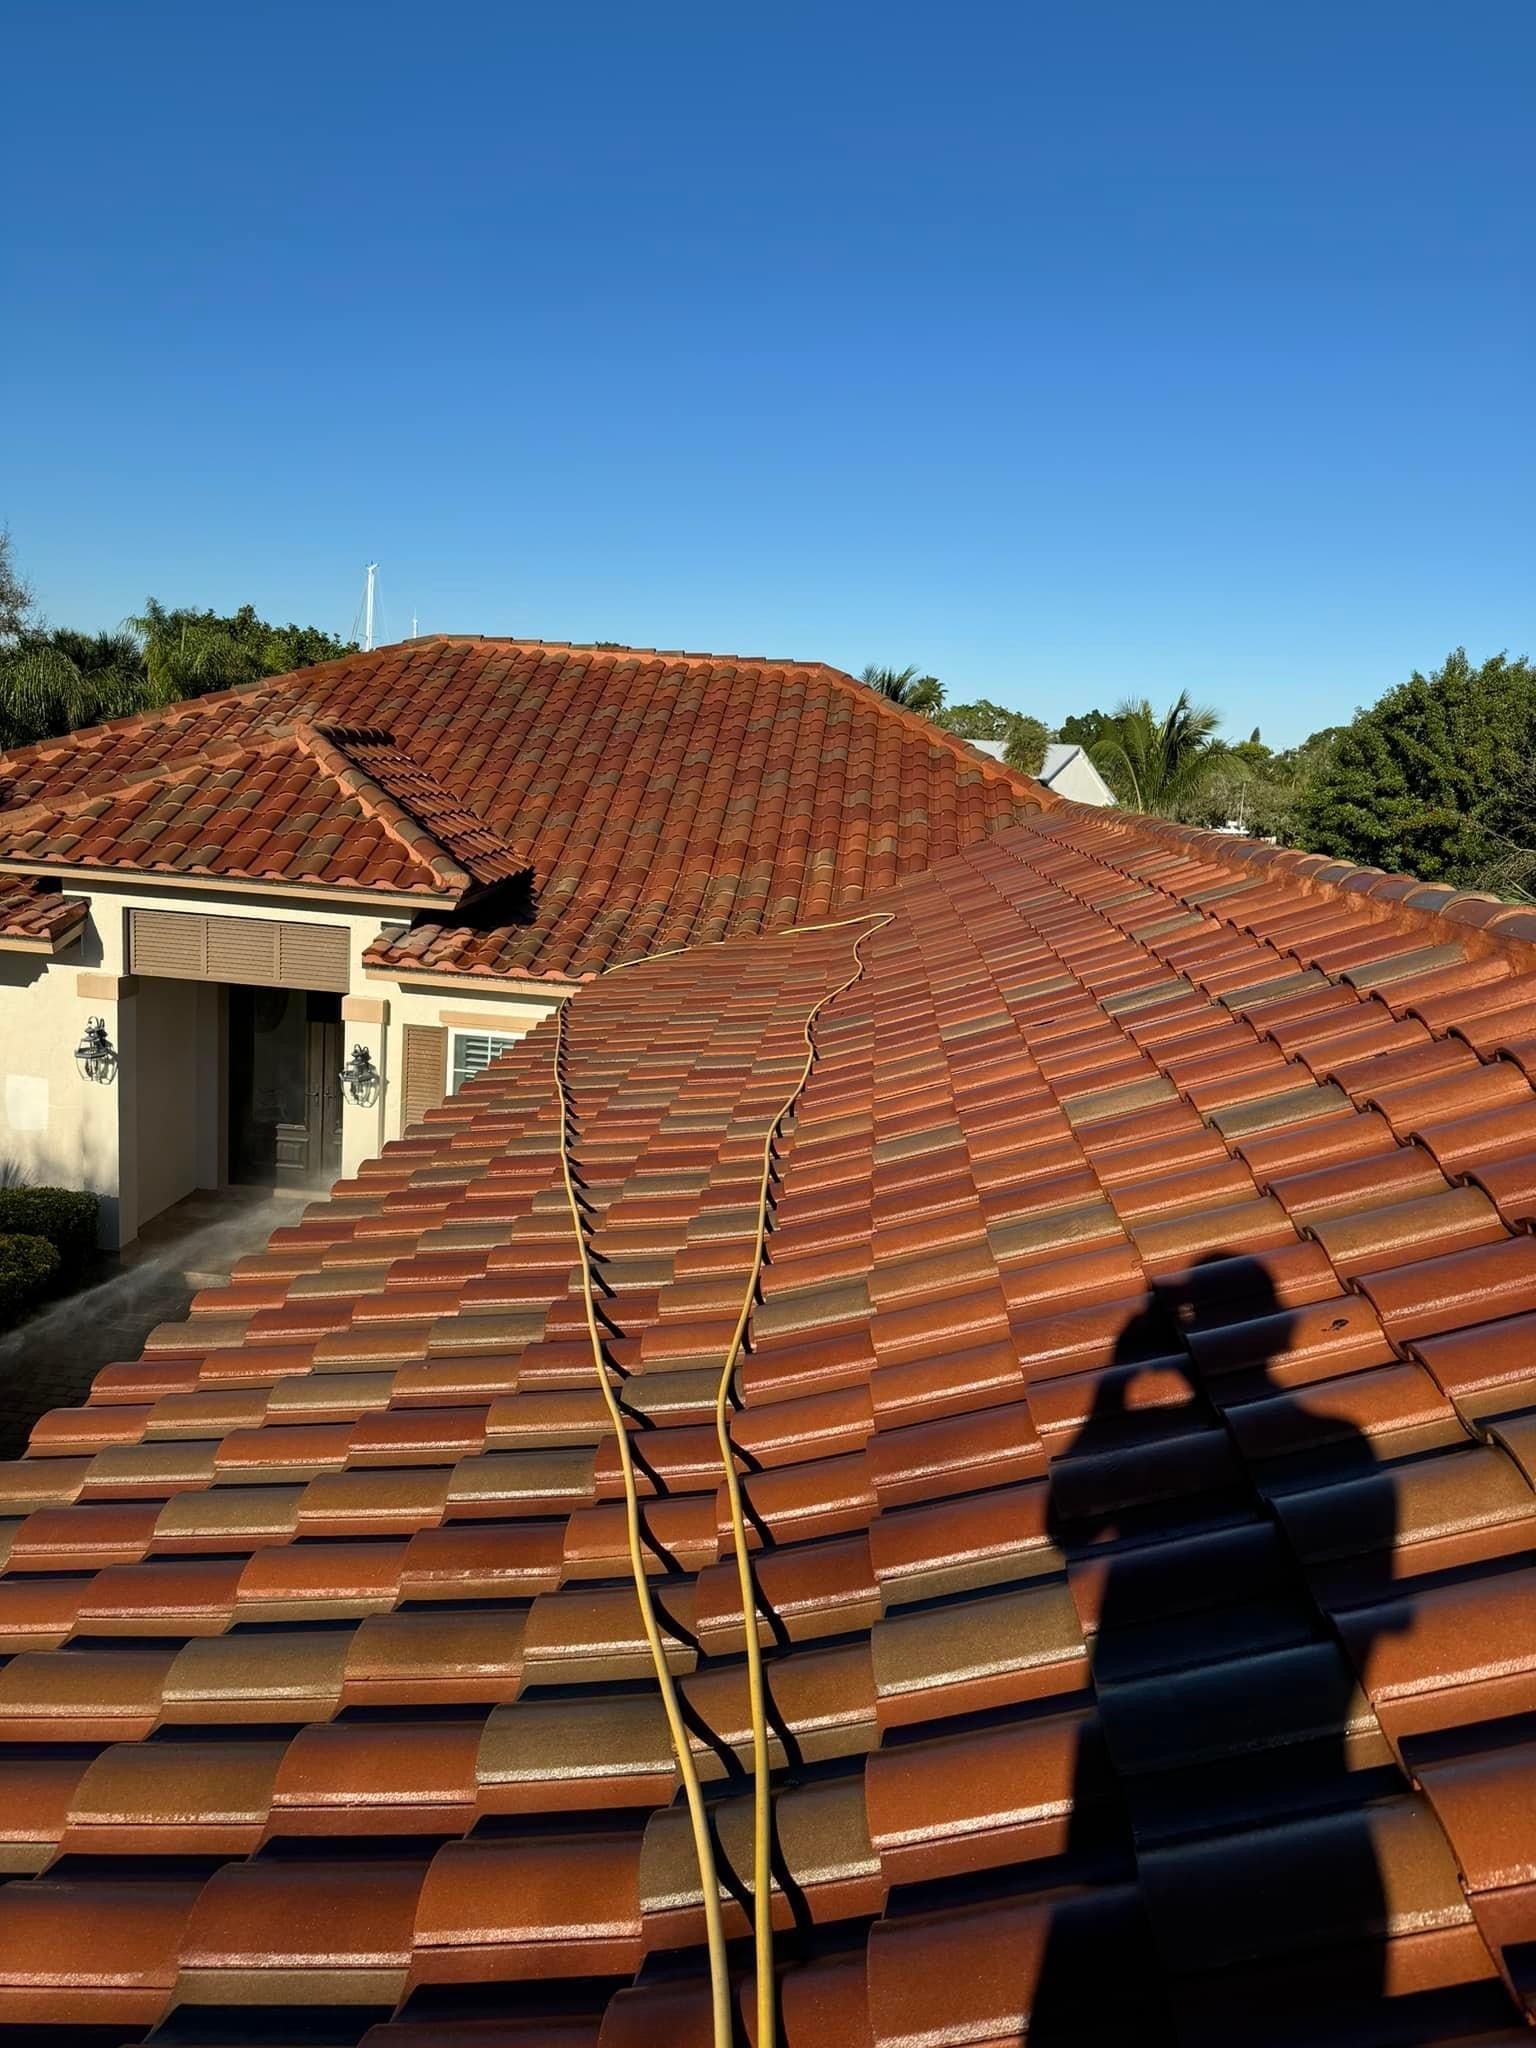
column 473, row 1052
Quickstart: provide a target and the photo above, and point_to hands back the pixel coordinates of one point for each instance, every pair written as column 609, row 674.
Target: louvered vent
column 312, row 956
column 244, row 949
column 259, row 952
column 425, row 1062
column 168, row 942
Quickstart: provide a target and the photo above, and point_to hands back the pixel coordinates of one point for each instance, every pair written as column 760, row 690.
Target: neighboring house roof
column 1067, row 769
column 655, row 799
column 1139, row 1426
column 1070, row 771
column 37, row 918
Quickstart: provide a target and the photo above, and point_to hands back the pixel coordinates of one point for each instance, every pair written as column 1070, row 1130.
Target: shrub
column 64, row 1216
column 27, row 1265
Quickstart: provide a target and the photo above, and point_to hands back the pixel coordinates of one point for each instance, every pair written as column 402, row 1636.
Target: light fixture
column 361, row 1078
column 95, row 1055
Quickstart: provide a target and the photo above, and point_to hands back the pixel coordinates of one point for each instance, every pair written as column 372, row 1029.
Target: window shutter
column 425, row 1063
column 259, row 952
column 473, row 1052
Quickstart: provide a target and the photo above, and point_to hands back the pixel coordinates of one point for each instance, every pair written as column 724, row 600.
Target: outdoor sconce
column 95, row 1055
column 361, row 1078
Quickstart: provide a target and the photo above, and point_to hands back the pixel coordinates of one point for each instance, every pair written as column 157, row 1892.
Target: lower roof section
column 37, row 918
column 1138, row 1433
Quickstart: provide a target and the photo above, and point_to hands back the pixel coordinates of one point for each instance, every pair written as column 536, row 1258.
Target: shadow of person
column 1224, row 1782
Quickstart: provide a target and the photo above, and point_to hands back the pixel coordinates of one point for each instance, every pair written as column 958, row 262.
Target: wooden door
column 285, row 1087
column 310, row 1149
column 325, row 1098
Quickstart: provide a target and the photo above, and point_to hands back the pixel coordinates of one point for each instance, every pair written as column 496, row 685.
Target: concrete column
column 364, row 1022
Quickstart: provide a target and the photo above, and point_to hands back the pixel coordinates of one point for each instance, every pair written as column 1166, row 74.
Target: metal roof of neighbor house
column 1066, row 762
column 1137, row 1435
column 656, row 799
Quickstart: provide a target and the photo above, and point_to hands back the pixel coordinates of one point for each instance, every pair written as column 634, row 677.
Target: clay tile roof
column 654, row 799
column 35, row 917
column 481, row 852
column 327, row 809
column 1137, row 1434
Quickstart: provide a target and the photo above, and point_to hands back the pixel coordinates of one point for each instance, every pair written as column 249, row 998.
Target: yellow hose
column 762, row 1787
column 709, row 1876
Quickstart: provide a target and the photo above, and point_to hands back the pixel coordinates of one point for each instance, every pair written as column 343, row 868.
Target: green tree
column 188, row 653
column 1025, row 738
column 914, row 692
column 1160, row 765
column 15, row 595
column 55, row 680
column 1028, row 739
column 1085, row 729
column 1429, row 780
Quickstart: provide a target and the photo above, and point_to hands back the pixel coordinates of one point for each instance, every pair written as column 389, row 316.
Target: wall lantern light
column 95, row 1055
column 361, row 1078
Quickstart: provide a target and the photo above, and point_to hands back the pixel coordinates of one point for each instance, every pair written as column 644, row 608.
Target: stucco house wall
column 157, row 1131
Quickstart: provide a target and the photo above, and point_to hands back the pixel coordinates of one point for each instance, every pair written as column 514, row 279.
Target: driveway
column 50, row 1360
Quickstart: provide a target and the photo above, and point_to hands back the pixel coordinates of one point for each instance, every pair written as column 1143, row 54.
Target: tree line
column 54, row 679
column 1436, row 779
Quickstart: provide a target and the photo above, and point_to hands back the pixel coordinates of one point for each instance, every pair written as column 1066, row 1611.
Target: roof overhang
column 18, row 942
column 479, row 984
column 340, row 898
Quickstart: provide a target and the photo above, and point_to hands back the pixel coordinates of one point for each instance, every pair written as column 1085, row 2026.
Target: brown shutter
column 167, row 942
column 312, row 956
column 426, row 1069
column 260, row 952
column 243, row 949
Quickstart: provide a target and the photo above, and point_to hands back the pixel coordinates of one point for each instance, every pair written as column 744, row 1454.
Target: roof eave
column 465, row 978
column 336, row 894
column 45, row 944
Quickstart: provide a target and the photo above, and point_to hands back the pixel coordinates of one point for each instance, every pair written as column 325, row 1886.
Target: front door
column 284, row 1086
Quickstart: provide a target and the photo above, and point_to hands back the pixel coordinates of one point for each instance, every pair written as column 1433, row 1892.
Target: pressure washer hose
column 762, row 1783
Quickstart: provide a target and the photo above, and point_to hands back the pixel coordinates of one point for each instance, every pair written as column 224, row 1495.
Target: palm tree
column 57, row 681
column 922, row 694
column 1161, row 764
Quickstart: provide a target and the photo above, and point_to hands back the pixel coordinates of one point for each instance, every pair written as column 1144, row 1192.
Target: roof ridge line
column 406, row 829
column 695, row 656
column 964, row 752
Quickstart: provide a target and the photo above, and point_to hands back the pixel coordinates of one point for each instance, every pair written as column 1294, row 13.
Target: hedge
column 27, row 1265
column 65, row 1217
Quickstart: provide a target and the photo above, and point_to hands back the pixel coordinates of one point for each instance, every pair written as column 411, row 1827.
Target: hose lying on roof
column 762, row 1785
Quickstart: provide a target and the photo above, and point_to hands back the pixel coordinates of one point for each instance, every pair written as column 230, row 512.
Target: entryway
column 284, row 1087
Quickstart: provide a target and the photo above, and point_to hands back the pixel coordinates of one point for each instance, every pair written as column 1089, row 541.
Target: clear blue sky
column 1067, row 351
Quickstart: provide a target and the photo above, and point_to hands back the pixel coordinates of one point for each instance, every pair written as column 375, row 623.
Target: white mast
column 373, row 570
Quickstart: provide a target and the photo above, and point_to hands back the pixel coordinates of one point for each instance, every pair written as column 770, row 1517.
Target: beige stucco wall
column 55, row 1128
column 177, row 1026
column 158, row 1131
